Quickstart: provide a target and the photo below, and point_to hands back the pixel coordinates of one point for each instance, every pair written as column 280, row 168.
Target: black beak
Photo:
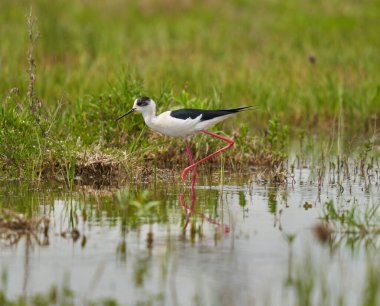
column 128, row 112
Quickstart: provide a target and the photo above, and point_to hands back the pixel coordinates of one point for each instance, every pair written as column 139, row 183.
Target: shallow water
column 231, row 249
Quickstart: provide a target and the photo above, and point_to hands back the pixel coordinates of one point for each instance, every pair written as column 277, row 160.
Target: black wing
column 206, row 114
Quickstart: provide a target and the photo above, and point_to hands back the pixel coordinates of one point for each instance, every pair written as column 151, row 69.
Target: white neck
column 149, row 114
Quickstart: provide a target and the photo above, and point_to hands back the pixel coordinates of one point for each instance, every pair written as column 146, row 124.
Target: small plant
column 137, row 209
column 277, row 137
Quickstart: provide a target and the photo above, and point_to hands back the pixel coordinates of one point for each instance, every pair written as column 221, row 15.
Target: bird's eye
column 143, row 101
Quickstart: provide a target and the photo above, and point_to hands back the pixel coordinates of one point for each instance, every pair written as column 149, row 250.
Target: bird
column 184, row 123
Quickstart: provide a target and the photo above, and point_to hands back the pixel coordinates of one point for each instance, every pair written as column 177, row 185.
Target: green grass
column 311, row 65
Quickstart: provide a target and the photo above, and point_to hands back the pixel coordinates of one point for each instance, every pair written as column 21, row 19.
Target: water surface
column 233, row 248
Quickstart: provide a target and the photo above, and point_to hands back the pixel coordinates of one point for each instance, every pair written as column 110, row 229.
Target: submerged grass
column 309, row 285
column 313, row 286
column 63, row 296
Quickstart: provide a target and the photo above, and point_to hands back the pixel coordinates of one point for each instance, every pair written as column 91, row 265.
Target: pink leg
column 189, row 210
column 230, row 144
column 191, row 162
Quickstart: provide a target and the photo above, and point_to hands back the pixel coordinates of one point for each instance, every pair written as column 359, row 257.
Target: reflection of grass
column 138, row 209
column 14, row 226
column 56, row 296
column 354, row 220
column 130, row 206
column 64, row 296
column 313, row 286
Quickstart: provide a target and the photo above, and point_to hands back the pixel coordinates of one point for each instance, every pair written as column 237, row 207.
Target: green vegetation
column 69, row 73
column 352, row 223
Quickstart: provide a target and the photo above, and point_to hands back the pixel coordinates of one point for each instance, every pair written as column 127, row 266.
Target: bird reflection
column 190, row 210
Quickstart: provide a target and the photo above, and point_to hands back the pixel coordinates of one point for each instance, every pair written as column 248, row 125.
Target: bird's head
column 144, row 105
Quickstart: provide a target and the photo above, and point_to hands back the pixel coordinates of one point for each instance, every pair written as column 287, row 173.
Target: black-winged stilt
column 183, row 123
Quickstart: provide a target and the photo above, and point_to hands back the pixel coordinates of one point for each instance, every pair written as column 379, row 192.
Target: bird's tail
column 240, row 109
